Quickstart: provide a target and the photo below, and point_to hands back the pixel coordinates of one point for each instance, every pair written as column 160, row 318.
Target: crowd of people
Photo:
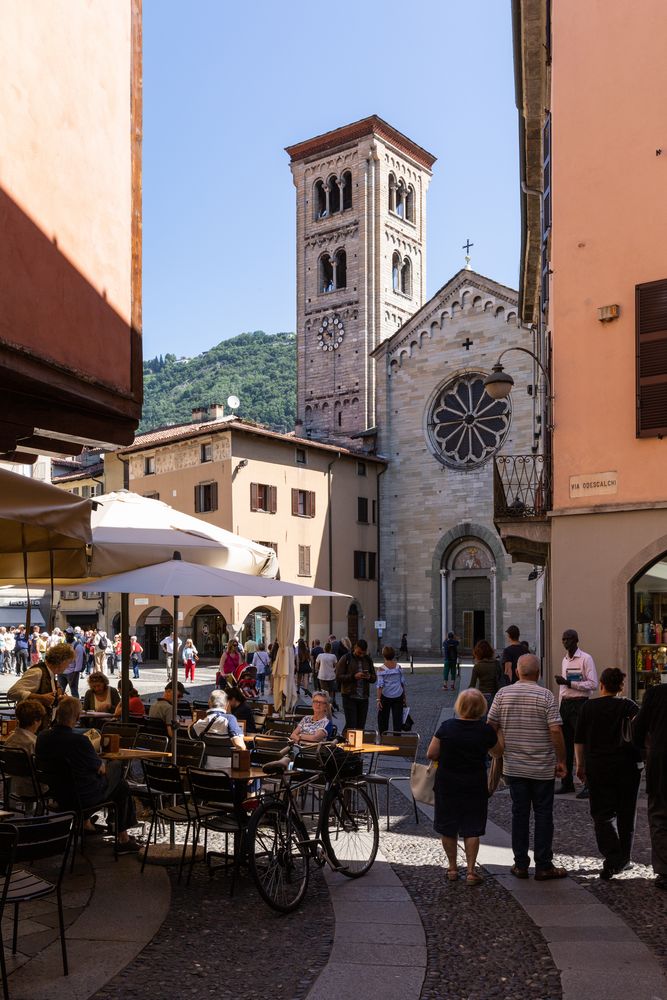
column 604, row 741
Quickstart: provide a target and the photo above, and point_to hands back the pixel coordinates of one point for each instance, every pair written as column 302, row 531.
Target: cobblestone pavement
column 232, row 948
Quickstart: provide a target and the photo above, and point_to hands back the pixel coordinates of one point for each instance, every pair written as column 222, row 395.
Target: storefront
column 260, row 625
column 209, row 632
column 649, row 628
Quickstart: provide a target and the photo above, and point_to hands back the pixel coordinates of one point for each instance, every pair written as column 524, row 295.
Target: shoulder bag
column 422, row 782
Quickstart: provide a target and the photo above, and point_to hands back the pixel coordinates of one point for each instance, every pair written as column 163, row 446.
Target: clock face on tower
column 330, row 333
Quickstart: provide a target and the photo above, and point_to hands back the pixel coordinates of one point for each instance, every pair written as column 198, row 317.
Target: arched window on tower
column 410, row 204
column 406, row 277
column 396, row 272
column 334, row 195
column 400, row 200
column 392, row 193
column 320, row 200
column 346, row 184
column 340, row 258
column 326, row 274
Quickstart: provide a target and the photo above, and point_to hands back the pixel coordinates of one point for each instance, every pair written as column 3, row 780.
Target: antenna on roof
column 233, row 402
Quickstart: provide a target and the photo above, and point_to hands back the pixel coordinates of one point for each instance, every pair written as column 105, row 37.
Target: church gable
column 466, row 296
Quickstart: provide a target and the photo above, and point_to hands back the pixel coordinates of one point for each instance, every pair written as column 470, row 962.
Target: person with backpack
column 101, row 645
column 262, row 664
column 390, row 692
column 355, row 672
column 450, row 649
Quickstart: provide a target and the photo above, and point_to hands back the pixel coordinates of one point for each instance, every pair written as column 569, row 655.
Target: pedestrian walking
column 609, row 765
column 325, row 665
column 534, row 755
column 577, row 680
column 136, row 656
column 403, row 648
column 355, row 673
column 450, row 650
column 486, row 671
column 261, row 663
column 167, row 647
column 460, row 747
column 315, row 650
column 303, row 666
column 21, row 651
column 390, row 692
column 190, row 658
column 511, row 653
column 650, row 736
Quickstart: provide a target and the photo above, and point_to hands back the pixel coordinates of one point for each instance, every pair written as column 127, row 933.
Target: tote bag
column 422, row 781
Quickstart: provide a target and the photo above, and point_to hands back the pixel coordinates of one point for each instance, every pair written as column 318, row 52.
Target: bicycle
column 280, row 847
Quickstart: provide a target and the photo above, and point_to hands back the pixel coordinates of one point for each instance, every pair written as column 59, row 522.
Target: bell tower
column 361, row 265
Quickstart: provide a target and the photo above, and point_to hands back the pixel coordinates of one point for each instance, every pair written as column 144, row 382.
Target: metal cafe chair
column 17, row 763
column 25, row 841
column 169, row 804
column 128, row 733
column 215, row 809
column 407, row 745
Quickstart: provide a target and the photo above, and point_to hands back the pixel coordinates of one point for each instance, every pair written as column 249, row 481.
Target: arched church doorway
column 649, row 628
column 468, row 599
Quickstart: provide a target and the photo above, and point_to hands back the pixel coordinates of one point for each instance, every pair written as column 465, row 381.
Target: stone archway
column 469, row 559
column 152, row 626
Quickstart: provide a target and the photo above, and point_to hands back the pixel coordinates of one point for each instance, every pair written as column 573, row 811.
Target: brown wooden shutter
column 197, row 500
column 295, row 502
column 273, row 499
column 306, row 560
column 371, row 565
column 651, row 326
column 311, row 504
column 253, row 496
column 214, row 496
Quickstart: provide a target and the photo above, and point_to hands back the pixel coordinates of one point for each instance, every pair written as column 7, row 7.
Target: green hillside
column 259, row 368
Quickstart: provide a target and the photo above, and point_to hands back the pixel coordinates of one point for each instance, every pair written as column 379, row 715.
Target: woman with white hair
column 460, row 747
column 219, row 721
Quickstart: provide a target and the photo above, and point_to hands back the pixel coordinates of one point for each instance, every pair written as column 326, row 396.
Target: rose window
column 465, row 425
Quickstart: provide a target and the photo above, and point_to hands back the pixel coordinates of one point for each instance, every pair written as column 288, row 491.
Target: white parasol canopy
column 284, row 686
column 130, row 531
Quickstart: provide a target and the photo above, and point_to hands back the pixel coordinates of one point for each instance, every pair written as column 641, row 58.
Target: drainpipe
column 379, row 543
column 330, row 537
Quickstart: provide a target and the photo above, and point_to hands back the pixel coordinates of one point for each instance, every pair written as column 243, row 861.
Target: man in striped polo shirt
column 534, row 756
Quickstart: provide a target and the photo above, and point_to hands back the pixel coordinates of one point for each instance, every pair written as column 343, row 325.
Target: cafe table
column 129, row 754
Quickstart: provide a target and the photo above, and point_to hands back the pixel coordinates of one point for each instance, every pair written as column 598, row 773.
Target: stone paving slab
column 357, row 952
column 380, row 933
column 380, row 982
column 398, row 913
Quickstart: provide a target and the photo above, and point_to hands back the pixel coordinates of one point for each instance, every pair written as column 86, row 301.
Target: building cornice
column 358, row 130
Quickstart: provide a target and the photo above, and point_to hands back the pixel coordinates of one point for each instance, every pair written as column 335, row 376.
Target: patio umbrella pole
column 125, row 657
column 174, row 683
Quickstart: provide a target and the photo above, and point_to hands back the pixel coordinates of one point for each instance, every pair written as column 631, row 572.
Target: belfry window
column 396, row 272
column 406, row 277
column 333, row 196
column 326, row 274
column 410, row 204
column 320, row 200
column 340, row 269
column 346, row 185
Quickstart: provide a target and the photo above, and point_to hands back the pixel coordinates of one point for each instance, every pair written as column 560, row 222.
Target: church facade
column 383, row 370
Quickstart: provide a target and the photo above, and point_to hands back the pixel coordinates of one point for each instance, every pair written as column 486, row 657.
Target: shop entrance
column 649, row 629
column 209, row 630
column 156, row 625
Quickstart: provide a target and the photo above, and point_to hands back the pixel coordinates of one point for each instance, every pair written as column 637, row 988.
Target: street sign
column 380, row 626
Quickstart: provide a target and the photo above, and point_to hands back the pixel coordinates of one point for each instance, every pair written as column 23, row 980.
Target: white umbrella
column 130, row 531
column 176, row 578
column 284, row 687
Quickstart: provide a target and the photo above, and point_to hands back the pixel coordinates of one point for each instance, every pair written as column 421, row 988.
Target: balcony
column 521, row 502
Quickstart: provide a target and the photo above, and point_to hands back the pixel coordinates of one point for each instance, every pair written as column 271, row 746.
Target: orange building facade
column 591, row 84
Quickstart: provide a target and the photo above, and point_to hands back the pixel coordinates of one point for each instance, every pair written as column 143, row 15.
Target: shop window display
column 649, row 629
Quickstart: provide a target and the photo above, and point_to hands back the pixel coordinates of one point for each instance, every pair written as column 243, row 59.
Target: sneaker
column 131, row 847
column 607, row 871
column 519, row 872
column 583, row 794
column 550, row 873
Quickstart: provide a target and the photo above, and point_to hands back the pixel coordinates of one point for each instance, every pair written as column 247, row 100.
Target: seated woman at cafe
column 317, row 727
column 136, row 706
column 100, row 697
column 219, row 721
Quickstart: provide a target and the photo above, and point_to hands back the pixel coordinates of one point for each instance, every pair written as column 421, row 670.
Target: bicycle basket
column 337, row 764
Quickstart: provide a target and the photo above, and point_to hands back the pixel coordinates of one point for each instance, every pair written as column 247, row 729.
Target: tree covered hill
column 259, row 368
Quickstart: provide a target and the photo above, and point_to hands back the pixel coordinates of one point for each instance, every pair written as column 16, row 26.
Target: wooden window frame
column 199, row 505
column 360, row 504
column 651, row 358
column 308, row 504
column 304, row 560
column 269, row 498
column 203, row 452
column 149, row 465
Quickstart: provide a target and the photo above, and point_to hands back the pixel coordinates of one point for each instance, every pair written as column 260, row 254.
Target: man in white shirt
column 167, row 646
column 577, row 681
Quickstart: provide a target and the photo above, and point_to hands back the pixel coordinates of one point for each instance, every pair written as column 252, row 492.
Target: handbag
column 422, row 782
column 495, row 775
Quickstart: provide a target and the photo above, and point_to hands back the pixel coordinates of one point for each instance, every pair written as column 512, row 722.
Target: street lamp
column 499, row 383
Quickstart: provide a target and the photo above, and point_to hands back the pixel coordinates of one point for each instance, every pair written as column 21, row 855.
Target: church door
column 472, row 611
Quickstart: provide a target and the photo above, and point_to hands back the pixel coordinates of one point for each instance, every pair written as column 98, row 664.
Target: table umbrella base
column 166, row 854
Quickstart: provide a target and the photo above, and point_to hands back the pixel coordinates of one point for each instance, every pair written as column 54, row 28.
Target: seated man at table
column 240, row 709
column 69, row 758
column 162, row 708
column 218, row 721
column 317, row 727
column 30, row 715
column 40, row 681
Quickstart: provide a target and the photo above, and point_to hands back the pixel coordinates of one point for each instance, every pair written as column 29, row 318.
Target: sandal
column 472, row 878
column 452, row 874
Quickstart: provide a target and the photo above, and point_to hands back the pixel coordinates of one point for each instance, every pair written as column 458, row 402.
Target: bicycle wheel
column 277, row 855
column 350, row 831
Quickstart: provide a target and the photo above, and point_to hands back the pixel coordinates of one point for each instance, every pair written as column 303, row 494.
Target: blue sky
column 228, row 85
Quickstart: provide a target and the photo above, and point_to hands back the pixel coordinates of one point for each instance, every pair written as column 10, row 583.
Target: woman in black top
column 460, row 747
column 609, row 765
column 486, row 671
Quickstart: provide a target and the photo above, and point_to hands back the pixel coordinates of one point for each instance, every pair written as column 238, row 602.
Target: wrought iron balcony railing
column 521, row 487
